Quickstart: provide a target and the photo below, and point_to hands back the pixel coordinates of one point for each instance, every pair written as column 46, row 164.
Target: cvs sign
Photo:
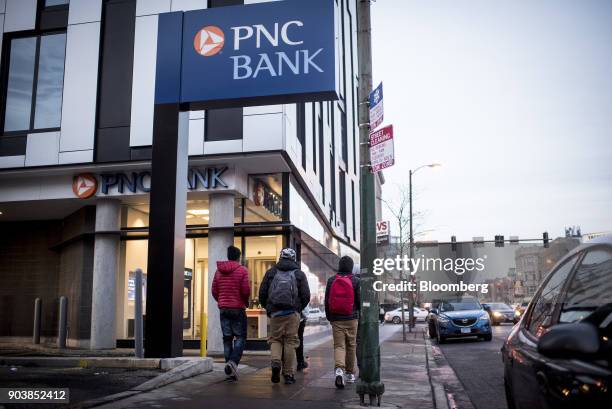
column 264, row 53
column 383, row 230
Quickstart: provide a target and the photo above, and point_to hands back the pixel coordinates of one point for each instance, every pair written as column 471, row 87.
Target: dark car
column 499, row 313
column 560, row 354
column 457, row 318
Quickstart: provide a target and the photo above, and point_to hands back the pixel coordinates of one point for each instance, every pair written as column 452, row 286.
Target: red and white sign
column 84, row 185
column 383, row 229
column 382, row 154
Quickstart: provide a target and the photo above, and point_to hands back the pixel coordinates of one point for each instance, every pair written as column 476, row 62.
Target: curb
column 447, row 389
column 438, row 392
column 186, row 368
column 83, row 362
column 165, row 364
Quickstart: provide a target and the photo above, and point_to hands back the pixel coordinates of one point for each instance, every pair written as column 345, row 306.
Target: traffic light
column 499, row 241
column 545, row 239
column 453, row 243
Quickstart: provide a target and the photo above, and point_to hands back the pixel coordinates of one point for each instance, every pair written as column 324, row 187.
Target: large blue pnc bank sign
column 266, row 53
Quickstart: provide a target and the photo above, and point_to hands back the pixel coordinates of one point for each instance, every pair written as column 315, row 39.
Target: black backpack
column 283, row 290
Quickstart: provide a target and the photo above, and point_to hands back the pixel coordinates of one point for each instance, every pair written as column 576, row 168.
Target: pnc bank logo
column 209, row 41
column 84, row 185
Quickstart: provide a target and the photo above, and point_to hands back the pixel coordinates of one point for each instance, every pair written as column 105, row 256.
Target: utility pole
column 411, row 249
column 368, row 348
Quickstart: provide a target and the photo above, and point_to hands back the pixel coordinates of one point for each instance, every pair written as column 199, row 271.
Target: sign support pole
column 368, row 347
column 168, row 202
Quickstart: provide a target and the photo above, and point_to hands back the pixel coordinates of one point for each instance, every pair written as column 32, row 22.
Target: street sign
column 383, row 229
column 255, row 54
column 382, row 153
column 376, row 107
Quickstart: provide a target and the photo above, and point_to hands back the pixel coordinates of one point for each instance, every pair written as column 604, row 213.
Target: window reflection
column 24, row 110
column 50, row 81
column 20, row 82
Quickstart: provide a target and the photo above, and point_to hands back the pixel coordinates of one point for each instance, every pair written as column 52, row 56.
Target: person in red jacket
column 231, row 290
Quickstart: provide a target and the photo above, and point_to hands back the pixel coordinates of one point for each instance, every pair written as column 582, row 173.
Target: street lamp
column 411, row 238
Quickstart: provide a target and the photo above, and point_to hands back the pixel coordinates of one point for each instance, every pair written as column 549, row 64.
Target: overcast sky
column 514, row 98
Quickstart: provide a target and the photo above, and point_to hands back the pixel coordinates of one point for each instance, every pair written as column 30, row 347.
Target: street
column 478, row 366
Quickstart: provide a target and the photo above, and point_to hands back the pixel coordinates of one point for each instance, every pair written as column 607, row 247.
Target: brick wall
column 47, row 259
column 28, row 269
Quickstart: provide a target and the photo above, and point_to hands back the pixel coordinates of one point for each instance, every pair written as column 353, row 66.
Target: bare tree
column 400, row 210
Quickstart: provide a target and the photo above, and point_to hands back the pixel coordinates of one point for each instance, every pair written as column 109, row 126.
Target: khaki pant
column 345, row 344
column 284, row 340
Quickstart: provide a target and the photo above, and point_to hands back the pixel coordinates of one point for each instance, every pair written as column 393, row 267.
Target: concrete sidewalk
column 406, row 372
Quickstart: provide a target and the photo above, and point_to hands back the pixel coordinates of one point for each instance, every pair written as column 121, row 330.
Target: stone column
column 106, row 261
column 220, row 237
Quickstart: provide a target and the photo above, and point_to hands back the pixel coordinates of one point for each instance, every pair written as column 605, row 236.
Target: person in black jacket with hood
column 284, row 293
column 342, row 301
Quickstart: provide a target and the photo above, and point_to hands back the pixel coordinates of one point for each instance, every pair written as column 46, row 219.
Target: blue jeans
column 234, row 329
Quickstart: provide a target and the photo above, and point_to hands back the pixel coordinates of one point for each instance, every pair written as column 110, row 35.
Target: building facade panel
column 80, row 87
column 143, row 85
column 20, row 15
column 84, row 11
column 12, row 161
column 42, row 149
column 148, row 7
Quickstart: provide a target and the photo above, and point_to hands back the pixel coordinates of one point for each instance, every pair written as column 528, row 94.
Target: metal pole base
column 374, row 390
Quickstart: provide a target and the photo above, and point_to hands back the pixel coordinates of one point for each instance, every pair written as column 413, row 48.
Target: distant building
column 534, row 263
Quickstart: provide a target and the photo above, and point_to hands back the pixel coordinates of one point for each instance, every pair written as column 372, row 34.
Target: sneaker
column 276, row 370
column 289, row 379
column 302, row 365
column 339, row 378
column 350, row 378
column 233, row 369
column 227, row 369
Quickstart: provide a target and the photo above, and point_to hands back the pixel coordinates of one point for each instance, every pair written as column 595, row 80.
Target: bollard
column 37, row 313
column 138, row 348
column 203, row 332
column 63, row 318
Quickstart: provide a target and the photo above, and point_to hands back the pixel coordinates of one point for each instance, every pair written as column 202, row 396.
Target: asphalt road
column 479, row 367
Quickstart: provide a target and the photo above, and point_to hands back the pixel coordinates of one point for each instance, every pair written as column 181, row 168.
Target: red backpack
column 342, row 295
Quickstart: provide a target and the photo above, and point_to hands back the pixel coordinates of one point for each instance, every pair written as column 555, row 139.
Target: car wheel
column 432, row 330
column 396, row 320
column 488, row 337
column 509, row 398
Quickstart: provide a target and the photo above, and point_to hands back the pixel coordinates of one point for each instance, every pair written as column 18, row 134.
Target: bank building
column 76, row 116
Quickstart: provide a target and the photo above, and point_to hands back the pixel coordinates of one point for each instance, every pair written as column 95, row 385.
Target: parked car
column 315, row 316
column 499, row 312
column 560, row 354
column 459, row 317
column 395, row 316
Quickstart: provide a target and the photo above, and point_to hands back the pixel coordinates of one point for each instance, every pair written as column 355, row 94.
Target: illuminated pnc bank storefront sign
column 86, row 185
column 248, row 55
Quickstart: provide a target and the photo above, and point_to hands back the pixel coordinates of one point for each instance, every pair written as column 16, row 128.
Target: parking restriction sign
column 382, row 153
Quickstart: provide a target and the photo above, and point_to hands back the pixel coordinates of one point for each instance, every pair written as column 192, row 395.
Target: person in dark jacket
column 284, row 293
column 231, row 290
column 344, row 323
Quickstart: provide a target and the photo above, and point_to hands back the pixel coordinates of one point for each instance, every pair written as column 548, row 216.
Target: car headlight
column 517, row 313
column 484, row 317
column 497, row 314
column 442, row 319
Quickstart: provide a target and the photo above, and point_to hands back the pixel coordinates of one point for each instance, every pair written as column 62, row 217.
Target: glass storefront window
column 198, row 213
column 259, row 254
